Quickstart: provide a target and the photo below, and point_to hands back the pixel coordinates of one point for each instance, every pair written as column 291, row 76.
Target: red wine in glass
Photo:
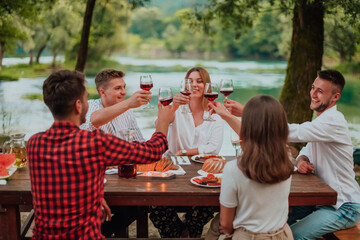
column 186, row 93
column 146, row 86
column 211, row 96
column 127, row 170
column 226, row 92
column 166, row 101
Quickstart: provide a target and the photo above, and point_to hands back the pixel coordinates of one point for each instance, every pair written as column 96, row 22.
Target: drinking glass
column 211, row 93
column 226, row 87
column 186, row 89
column 165, row 96
column 16, row 145
column 127, row 170
column 235, row 142
column 146, row 83
column 127, row 134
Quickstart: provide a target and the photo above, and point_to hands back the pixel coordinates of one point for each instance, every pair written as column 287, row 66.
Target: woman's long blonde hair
column 204, row 76
column 264, row 132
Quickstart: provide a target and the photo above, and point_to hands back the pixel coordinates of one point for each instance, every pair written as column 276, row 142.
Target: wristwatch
column 183, row 152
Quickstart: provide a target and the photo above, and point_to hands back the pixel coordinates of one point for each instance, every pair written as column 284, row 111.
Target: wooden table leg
column 9, row 222
column 142, row 230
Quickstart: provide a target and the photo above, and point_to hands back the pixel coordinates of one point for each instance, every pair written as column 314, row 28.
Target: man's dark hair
column 333, row 76
column 61, row 90
column 102, row 78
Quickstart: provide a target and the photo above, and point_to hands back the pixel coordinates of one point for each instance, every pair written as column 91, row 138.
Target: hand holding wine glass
column 211, row 93
column 226, row 87
column 186, row 90
column 165, row 96
column 146, row 84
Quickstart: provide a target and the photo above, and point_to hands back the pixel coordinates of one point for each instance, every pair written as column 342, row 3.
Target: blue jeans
column 317, row 221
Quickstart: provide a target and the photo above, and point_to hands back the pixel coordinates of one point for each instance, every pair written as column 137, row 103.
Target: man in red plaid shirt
column 67, row 165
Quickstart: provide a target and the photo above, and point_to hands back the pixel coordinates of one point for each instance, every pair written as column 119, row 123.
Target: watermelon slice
column 4, row 173
column 7, row 160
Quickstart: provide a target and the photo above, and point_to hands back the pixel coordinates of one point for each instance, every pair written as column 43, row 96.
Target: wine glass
column 235, row 142
column 165, row 96
column 211, row 93
column 226, row 87
column 146, row 83
column 186, row 89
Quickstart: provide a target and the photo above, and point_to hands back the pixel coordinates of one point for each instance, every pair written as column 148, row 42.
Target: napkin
column 111, row 171
column 183, row 160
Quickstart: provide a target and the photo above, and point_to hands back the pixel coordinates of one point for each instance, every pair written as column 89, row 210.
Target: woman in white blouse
column 189, row 134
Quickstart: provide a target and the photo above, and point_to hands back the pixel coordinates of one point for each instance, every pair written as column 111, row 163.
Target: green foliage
column 349, row 67
column 341, row 37
column 13, row 15
column 108, row 29
column 93, row 94
column 147, row 23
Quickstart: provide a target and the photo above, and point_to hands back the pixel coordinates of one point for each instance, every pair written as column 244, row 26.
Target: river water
column 31, row 116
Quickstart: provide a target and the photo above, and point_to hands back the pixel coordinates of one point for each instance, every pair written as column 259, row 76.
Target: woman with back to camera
column 255, row 188
column 189, row 135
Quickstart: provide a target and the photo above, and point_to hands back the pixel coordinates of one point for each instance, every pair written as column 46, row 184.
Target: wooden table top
column 305, row 190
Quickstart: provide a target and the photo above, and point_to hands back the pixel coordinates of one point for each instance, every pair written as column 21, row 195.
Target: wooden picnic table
column 305, row 190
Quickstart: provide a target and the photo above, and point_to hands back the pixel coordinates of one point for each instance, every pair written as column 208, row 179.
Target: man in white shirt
column 111, row 113
column 329, row 154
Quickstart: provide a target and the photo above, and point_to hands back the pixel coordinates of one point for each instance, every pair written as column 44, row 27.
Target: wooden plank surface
column 305, row 190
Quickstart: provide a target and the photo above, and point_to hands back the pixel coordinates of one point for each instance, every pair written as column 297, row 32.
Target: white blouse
column 183, row 134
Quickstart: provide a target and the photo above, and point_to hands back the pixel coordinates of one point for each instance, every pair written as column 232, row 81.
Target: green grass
column 14, row 72
column 33, row 96
column 357, row 178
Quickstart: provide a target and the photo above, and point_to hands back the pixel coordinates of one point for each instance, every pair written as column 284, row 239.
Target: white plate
column 200, row 185
column 105, row 180
column 201, row 155
column 204, row 174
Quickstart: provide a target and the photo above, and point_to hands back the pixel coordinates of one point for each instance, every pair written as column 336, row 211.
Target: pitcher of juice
column 16, row 145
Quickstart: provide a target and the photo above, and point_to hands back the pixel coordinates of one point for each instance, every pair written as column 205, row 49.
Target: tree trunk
column 83, row 48
column 2, row 50
column 54, row 59
column 42, row 48
column 31, row 54
column 305, row 59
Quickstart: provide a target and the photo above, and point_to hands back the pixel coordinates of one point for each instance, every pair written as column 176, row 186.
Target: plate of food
column 210, row 181
column 204, row 174
column 203, row 157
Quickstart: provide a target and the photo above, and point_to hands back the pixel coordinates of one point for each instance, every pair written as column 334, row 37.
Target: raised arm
column 105, row 115
column 234, row 107
column 233, row 122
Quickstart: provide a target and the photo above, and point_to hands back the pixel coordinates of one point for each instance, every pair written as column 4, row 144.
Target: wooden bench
column 346, row 234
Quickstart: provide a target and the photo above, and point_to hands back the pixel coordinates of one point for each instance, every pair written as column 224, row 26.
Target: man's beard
column 322, row 107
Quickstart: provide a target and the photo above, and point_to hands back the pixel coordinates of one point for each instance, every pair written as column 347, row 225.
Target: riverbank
column 22, row 99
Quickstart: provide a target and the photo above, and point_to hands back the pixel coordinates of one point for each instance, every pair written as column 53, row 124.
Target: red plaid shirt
column 67, row 167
